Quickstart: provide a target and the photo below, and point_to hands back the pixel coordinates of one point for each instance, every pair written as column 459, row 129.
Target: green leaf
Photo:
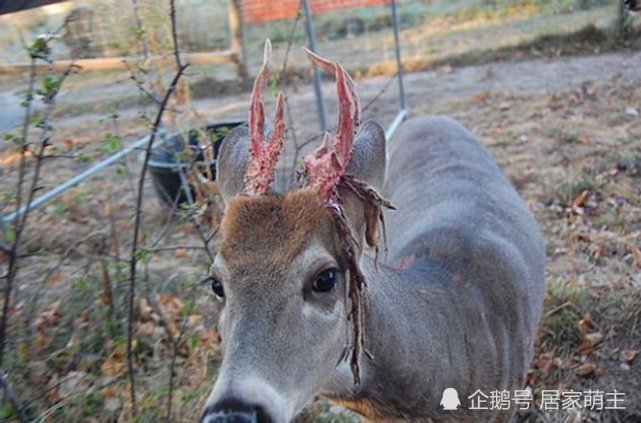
column 6, row 411
column 195, row 340
column 141, row 254
column 111, row 143
column 39, row 48
column 10, row 235
column 83, row 158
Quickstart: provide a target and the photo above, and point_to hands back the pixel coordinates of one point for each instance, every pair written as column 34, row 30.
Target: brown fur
column 273, row 228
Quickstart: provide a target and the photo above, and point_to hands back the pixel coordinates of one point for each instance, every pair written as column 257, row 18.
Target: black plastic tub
column 173, row 155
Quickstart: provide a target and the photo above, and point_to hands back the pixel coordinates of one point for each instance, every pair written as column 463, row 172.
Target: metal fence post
column 320, row 103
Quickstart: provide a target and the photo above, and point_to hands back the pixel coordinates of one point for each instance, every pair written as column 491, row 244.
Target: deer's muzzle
column 234, row 411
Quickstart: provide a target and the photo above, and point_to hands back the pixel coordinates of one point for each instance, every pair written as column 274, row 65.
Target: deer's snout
column 234, row 411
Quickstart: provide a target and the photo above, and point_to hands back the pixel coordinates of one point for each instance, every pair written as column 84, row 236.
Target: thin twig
column 197, row 224
column 13, row 252
column 44, row 142
column 172, row 366
column 176, row 247
column 134, row 248
column 174, row 33
column 135, row 252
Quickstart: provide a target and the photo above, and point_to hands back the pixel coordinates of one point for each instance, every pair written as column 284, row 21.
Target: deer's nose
column 234, row 411
column 229, row 418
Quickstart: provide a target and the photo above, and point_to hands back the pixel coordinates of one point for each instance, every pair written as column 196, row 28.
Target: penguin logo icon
column 450, row 399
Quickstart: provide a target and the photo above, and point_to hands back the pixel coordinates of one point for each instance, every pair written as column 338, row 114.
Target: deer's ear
column 231, row 164
column 368, row 164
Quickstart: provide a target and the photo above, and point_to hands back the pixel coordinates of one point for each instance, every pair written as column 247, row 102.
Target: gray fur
column 456, row 305
column 232, row 160
column 369, row 159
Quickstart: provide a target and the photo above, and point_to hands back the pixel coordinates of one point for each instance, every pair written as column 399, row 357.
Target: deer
column 388, row 273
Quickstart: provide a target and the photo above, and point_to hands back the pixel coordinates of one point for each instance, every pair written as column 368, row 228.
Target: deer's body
column 454, row 305
column 462, row 309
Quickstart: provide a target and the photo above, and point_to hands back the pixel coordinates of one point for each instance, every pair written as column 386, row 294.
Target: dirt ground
column 566, row 131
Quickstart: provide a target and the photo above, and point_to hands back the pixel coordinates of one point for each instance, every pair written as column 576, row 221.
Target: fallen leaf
column 55, row 278
column 584, row 324
column 107, row 392
column 628, row 355
column 594, row 338
column 180, row 253
column 113, row 366
column 585, row 140
column 170, row 306
column 586, row 369
column 50, row 315
column 589, row 342
column 636, row 255
column 69, row 143
column 545, row 362
column 579, row 200
column 146, row 328
column 195, row 320
column 144, row 309
column 52, row 393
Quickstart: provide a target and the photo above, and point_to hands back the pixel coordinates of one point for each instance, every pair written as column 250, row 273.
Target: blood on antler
column 263, row 156
column 325, row 170
column 327, row 165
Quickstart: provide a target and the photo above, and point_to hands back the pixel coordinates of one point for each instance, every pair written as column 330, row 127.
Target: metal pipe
column 399, row 64
column 400, row 117
column 76, row 180
column 322, row 114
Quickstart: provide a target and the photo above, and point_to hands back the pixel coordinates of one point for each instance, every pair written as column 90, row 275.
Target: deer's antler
column 326, row 166
column 263, row 156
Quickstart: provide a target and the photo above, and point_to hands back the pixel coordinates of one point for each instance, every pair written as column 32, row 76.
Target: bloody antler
column 325, row 170
column 327, row 165
column 263, row 156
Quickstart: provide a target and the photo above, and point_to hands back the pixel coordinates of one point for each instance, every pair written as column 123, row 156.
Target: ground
column 566, row 131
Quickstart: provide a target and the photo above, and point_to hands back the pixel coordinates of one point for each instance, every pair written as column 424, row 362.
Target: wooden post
column 237, row 41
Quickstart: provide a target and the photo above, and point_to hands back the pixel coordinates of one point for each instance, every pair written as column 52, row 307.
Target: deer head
column 287, row 265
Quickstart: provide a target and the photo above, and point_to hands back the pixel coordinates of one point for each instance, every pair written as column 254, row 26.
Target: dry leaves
column 636, row 255
column 586, row 369
column 180, row 253
column 144, row 309
column 628, row 355
column 546, row 361
column 50, row 315
column 590, row 342
column 55, row 278
column 114, row 365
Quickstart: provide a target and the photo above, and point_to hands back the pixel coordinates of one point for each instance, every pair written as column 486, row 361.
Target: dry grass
column 574, row 154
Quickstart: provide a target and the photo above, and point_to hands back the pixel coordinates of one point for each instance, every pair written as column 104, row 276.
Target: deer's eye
column 326, row 281
column 217, row 287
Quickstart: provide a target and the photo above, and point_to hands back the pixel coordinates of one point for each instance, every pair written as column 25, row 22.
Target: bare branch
column 135, row 251
column 39, row 50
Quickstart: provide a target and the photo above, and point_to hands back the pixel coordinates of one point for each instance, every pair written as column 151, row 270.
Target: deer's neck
column 417, row 333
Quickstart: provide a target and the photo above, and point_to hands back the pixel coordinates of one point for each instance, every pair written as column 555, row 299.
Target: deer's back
column 458, row 213
column 449, row 193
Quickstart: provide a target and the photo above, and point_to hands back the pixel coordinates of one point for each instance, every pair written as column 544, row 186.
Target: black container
column 173, row 156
